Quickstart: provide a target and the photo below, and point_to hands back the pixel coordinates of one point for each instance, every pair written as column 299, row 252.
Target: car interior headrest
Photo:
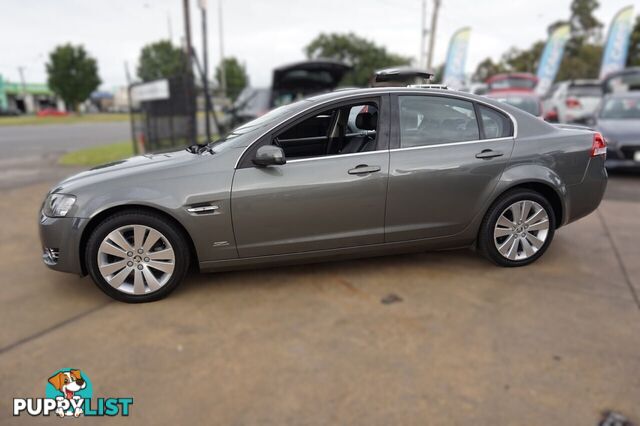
column 367, row 120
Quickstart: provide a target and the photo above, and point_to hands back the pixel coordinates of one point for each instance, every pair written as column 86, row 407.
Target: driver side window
column 346, row 129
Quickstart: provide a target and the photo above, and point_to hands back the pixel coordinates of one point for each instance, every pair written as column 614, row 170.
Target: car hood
column 139, row 165
column 620, row 131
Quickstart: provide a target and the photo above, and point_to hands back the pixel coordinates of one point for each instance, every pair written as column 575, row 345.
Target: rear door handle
column 363, row 169
column 489, row 153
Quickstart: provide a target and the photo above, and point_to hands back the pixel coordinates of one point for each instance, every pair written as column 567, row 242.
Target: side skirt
column 373, row 250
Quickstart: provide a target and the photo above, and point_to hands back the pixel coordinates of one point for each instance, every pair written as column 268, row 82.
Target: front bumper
column 60, row 239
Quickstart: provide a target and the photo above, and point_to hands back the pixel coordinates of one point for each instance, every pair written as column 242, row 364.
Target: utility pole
column 423, row 34
column 169, row 26
column 127, row 73
column 433, row 31
column 205, row 69
column 191, row 98
column 22, row 81
column 223, row 74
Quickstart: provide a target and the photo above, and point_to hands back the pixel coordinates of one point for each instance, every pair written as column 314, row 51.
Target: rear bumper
column 622, row 156
column 60, row 240
column 584, row 197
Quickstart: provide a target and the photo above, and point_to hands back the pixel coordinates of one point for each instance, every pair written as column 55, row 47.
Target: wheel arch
column 544, row 188
column 102, row 215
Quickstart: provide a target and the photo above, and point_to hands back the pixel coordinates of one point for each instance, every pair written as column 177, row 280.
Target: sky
column 262, row 34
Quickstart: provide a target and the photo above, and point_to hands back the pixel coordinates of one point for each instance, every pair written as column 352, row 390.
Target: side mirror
column 269, row 155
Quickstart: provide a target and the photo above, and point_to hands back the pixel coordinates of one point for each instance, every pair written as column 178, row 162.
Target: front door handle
column 363, row 169
column 489, row 153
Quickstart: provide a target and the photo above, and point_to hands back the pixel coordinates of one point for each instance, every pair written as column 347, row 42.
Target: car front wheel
column 137, row 256
column 517, row 229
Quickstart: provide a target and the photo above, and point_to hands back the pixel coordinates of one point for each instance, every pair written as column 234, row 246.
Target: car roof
column 376, row 91
column 373, row 91
column 630, row 94
column 513, row 93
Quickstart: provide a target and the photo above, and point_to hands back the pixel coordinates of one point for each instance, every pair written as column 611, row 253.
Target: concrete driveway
column 469, row 343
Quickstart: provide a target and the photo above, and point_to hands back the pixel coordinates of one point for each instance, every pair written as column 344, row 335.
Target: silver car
column 362, row 172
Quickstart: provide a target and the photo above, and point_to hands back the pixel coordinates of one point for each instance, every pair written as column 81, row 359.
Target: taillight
column 572, row 103
column 599, row 145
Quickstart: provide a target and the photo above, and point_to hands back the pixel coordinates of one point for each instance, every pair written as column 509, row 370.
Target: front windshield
column 621, row 109
column 253, row 125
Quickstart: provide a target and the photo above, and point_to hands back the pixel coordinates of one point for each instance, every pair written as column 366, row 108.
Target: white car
column 572, row 100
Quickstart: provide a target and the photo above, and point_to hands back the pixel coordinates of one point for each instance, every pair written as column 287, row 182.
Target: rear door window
column 495, row 124
column 432, row 120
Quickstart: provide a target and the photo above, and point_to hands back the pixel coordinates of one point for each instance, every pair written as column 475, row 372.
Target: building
column 27, row 98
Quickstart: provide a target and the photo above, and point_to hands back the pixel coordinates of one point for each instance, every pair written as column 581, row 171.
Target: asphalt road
column 28, row 154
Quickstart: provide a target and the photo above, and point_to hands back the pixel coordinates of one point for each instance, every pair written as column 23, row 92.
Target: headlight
column 58, row 205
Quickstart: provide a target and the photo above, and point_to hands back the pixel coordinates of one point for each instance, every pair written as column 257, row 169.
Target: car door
column 444, row 163
column 313, row 202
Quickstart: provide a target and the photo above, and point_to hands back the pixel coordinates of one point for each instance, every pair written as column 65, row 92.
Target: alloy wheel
column 521, row 230
column 136, row 259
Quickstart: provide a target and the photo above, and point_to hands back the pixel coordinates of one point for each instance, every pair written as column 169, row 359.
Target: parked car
column 571, row 101
column 289, row 83
column 526, row 101
column 626, row 80
column 519, row 81
column 10, row 112
column 476, row 88
column 351, row 173
column 51, row 112
column 618, row 119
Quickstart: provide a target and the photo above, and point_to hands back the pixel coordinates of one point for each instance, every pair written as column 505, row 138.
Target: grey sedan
column 362, row 172
column 618, row 119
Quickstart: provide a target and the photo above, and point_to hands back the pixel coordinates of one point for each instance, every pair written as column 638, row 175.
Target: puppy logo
column 69, row 393
column 69, row 385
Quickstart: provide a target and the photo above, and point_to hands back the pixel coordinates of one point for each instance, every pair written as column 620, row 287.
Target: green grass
column 98, row 155
column 30, row 120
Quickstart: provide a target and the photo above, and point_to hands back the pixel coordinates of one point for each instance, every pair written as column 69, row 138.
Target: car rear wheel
column 517, row 229
column 137, row 256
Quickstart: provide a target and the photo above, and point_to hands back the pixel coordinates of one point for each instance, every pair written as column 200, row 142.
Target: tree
column 160, row 60
column 72, row 74
column 583, row 52
column 633, row 60
column 584, row 25
column 235, row 75
column 524, row 60
column 584, row 63
column 363, row 55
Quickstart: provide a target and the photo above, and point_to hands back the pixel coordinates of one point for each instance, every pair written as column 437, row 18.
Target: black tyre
column 137, row 256
column 517, row 229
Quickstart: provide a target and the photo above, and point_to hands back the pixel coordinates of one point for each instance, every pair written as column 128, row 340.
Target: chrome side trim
column 202, row 209
column 410, row 148
column 335, row 156
column 435, row 92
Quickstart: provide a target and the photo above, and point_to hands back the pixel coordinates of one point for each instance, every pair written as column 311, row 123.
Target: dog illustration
column 68, row 383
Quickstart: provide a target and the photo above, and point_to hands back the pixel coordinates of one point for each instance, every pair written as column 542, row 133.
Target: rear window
column 584, row 91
